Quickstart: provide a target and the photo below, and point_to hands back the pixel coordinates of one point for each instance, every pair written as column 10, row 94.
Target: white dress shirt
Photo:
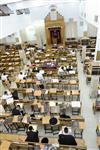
column 62, row 131
column 39, row 76
column 8, row 98
column 4, row 77
column 60, row 71
column 21, row 76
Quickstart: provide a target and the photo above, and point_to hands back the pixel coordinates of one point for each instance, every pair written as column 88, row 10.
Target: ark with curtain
column 54, row 29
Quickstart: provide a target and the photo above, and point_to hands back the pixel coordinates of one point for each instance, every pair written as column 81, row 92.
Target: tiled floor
column 91, row 120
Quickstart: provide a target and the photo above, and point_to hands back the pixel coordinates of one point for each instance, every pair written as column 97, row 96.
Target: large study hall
column 49, row 75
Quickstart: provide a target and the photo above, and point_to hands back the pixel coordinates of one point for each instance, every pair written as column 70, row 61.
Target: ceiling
column 36, row 1
column 19, row 7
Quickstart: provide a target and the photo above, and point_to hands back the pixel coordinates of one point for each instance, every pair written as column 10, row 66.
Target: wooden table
column 5, row 145
column 81, row 125
column 52, row 91
column 39, row 104
column 67, row 92
column 98, row 141
column 52, row 140
column 37, row 93
column 5, row 114
column 46, row 119
column 75, row 92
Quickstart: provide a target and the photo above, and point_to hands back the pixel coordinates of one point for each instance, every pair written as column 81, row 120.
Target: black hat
column 53, row 121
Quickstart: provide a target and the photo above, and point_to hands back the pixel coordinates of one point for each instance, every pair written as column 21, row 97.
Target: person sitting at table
column 35, row 69
column 5, row 80
column 45, row 140
column 4, row 77
column 73, row 52
column 27, row 72
column 21, row 76
column 64, row 68
column 32, row 136
column 63, row 115
column 15, row 95
column 6, row 96
column 7, row 100
column 17, row 110
column 32, row 115
column 69, row 68
column 53, row 59
column 42, row 71
column 65, row 131
column 39, row 76
column 66, row 139
column 47, row 146
column 61, row 71
column 53, row 121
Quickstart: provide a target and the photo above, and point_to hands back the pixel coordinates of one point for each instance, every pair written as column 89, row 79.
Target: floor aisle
column 90, row 119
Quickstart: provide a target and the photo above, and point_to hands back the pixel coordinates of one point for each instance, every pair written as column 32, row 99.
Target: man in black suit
column 66, row 139
column 32, row 136
column 16, row 110
column 15, row 94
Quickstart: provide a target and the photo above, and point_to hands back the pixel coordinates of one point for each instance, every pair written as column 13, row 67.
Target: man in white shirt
column 7, row 97
column 73, row 53
column 4, row 77
column 61, row 70
column 21, row 76
column 42, row 71
column 65, row 131
column 39, row 76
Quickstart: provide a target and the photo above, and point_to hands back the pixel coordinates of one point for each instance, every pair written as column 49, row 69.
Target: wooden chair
column 78, row 133
column 55, row 129
column 10, row 127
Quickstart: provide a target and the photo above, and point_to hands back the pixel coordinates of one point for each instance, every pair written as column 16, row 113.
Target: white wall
column 90, row 8
column 71, row 29
column 13, row 23
column 92, row 30
column 34, row 33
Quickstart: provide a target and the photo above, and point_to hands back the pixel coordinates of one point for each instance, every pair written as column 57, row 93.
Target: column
column 85, row 33
column 97, row 52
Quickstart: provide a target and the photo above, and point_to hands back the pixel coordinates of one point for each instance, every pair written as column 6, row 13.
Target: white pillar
column 83, row 53
column 85, row 34
column 98, row 38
